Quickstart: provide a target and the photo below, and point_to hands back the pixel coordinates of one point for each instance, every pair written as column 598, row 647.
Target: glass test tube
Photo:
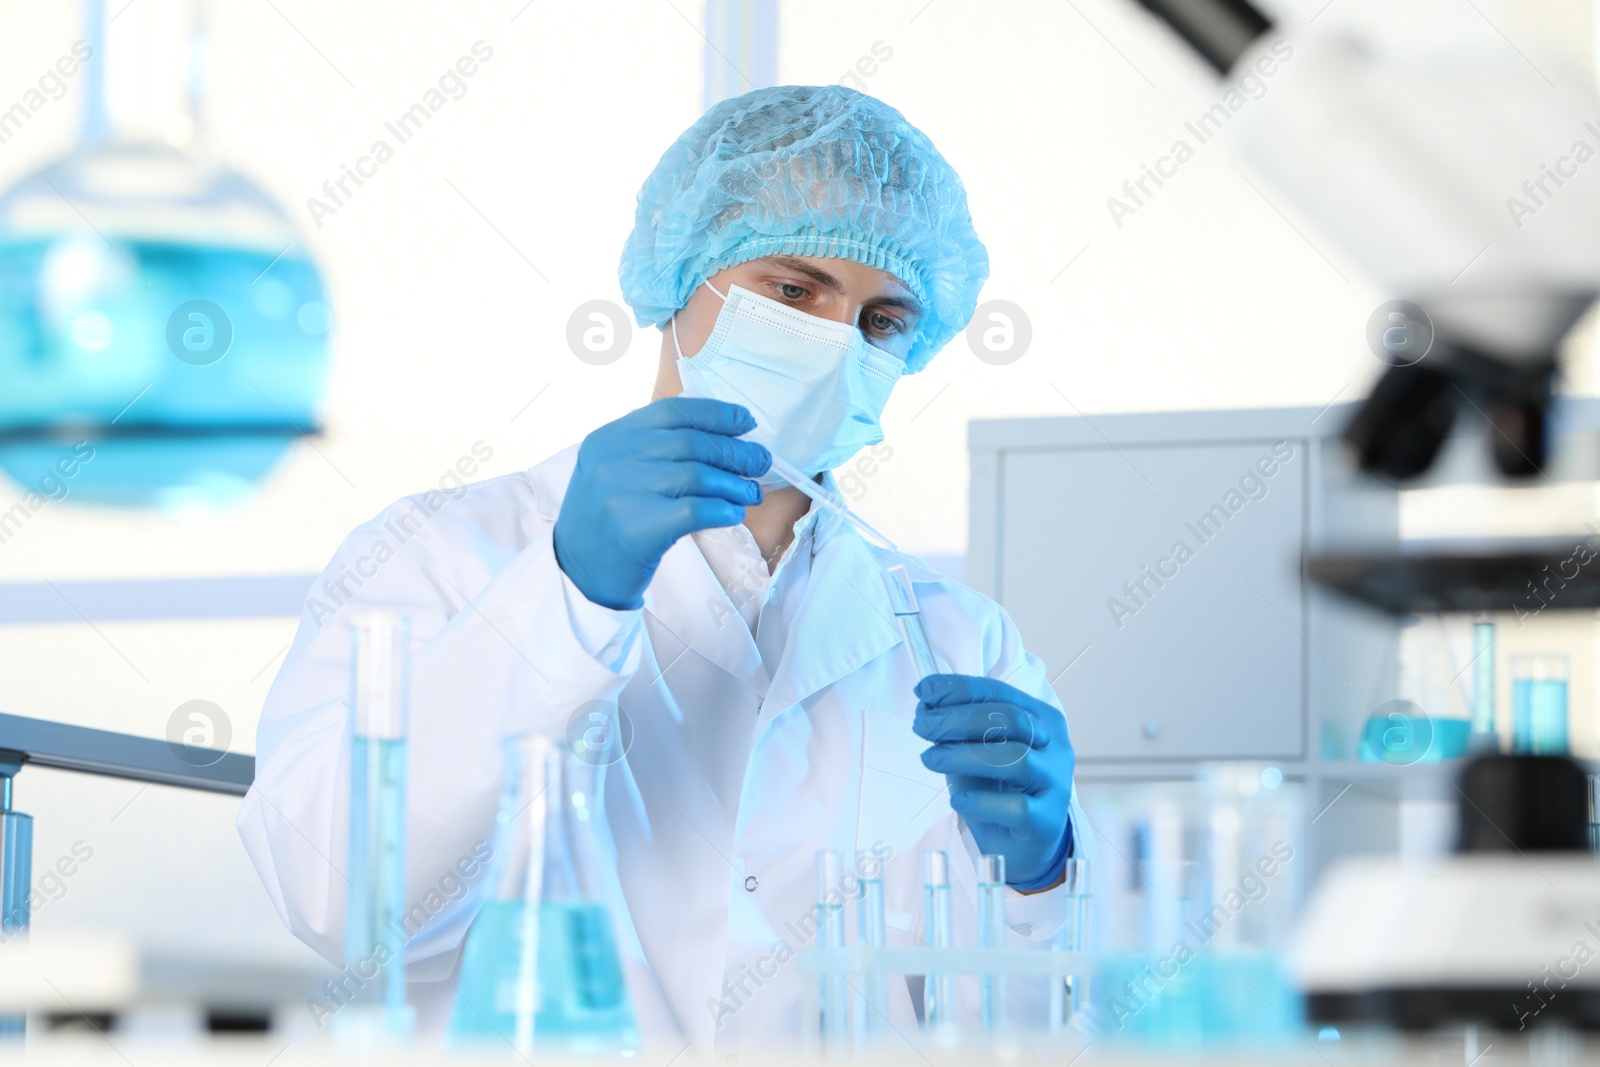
column 374, row 943
column 1539, row 704
column 1594, row 812
column 872, row 932
column 830, row 935
column 992, row 935
column 16, row 875
column 903, row 602
column 1482, row 680
column 938, row 929
column 1075, row 932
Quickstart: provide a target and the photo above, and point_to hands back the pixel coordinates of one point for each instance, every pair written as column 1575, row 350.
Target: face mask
column 815, row 386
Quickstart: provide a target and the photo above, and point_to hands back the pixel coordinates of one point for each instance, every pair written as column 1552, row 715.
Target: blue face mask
column 815, row 387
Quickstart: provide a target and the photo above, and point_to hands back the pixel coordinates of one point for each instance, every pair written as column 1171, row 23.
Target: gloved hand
column 671, row 467
column 1009, row 766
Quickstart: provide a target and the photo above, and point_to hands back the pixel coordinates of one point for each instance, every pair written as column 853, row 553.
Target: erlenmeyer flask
column 541, row 968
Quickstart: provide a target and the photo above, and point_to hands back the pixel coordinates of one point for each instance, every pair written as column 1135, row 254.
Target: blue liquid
column 1203, row 996
column 832, row 988
column 84, row 331
column 375, row 934
column 583, row 1004
column 873, row 932
column 1406, row 739
column 938, row 991
column 1539, row 715
column 1074, row 937
column 991, row 934
column 1483, row 678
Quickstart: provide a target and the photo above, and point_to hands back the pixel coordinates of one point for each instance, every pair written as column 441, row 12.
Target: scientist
column 802, row 248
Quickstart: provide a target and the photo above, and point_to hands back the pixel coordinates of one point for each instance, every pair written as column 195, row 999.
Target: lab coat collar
column 843, row 622
column 827, row 522
column 686, row 597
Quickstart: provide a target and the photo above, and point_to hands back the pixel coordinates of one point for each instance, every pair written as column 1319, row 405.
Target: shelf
column 1466, row 580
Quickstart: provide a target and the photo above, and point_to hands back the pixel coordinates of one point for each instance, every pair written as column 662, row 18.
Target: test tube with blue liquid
column 908, row 613
column 1539, row 704
column 1074, row 938
column 16, row 878
column 1482, row 684
column 938, row 931
column 992, row 935
column 872, row 932
column 830, row 935
column 374, row 938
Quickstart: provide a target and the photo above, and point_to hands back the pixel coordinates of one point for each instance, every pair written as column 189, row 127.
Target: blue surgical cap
column 806, row 170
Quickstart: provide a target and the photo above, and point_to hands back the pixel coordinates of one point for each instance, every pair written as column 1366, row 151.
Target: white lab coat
column 732, row 780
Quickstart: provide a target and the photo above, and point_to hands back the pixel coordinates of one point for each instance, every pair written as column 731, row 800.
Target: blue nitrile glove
column 668, row 469
column 1009, row 765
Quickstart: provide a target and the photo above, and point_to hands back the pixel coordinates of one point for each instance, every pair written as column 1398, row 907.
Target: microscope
column 1454, row 182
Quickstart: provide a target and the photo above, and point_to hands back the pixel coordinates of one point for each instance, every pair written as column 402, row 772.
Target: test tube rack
column 912, row 960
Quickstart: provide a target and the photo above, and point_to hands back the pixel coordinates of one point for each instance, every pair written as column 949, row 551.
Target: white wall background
column 450, row 329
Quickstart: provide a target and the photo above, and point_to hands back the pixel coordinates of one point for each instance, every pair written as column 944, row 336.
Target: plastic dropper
column 798, row 478
column 808, row 485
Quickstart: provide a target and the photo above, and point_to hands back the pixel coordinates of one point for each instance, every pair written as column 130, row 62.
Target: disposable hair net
column 808, row 171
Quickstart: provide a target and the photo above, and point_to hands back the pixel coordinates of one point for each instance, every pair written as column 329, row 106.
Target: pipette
column 808, row 485
column 798, row 478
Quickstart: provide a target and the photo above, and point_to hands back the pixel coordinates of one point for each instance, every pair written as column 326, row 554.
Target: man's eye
column 882, row 323
column 791, row 291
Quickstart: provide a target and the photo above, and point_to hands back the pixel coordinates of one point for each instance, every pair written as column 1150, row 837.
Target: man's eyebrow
column 816, row 274
column 822, row 277
column 908, row 303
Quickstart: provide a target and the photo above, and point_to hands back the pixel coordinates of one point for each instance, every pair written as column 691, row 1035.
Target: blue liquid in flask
column 582, row 1003
column 86, row 336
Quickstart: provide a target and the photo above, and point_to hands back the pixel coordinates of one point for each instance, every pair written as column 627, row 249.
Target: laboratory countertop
column 1491, row 1050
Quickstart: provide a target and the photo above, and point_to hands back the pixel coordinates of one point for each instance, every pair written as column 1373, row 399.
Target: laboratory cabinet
column 1153, row 561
